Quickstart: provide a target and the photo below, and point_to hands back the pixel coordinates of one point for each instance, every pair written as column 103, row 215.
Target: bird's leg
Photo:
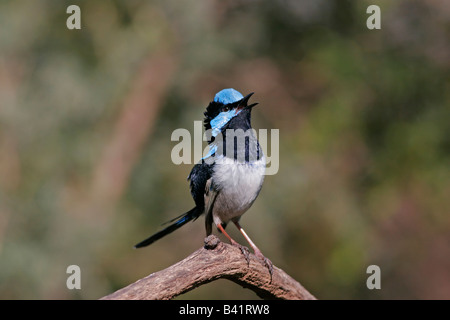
column 244, row 250
column 258, row 252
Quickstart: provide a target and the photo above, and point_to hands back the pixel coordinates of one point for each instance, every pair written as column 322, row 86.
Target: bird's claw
column 267, row 262
column 245, row 251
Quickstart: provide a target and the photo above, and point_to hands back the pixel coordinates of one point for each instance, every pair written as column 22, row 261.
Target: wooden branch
column 214, row 261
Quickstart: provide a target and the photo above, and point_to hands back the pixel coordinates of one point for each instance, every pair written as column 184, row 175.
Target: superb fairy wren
column 226, row 182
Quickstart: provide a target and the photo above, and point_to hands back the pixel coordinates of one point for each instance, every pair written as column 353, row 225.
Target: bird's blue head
column 226, row 105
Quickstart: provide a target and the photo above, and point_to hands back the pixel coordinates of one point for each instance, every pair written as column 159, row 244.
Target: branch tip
column 211, row 242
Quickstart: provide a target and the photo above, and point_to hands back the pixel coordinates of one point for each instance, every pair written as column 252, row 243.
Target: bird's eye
column 226, row 108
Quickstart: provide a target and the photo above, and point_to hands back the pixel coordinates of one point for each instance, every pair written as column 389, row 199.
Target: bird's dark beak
column 244, row 102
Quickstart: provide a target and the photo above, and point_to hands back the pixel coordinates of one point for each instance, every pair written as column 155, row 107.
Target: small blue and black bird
column 226, row 182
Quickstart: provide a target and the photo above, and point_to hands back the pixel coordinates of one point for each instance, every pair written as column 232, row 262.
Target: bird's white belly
column 239, row 185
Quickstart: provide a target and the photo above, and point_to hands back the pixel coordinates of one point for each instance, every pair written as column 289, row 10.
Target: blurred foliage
column 85, row 168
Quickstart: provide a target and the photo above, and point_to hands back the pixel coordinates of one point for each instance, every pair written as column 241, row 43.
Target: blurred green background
column 86, row 118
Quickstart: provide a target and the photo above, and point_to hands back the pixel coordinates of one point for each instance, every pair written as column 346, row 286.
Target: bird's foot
column 245, row 251
column 267, row 262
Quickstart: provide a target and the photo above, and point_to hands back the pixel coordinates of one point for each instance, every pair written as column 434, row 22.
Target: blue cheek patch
column 221, row 120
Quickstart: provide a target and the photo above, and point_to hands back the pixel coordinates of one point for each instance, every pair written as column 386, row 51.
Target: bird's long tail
column 180, row 221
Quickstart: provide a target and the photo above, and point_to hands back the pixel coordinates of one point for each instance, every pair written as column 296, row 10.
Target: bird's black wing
column 198, row 177
column 203, row 190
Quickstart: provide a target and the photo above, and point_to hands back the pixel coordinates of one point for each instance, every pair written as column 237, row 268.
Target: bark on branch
column 214, row 261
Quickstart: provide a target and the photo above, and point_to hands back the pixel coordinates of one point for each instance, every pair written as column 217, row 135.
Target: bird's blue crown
column 227, row 96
